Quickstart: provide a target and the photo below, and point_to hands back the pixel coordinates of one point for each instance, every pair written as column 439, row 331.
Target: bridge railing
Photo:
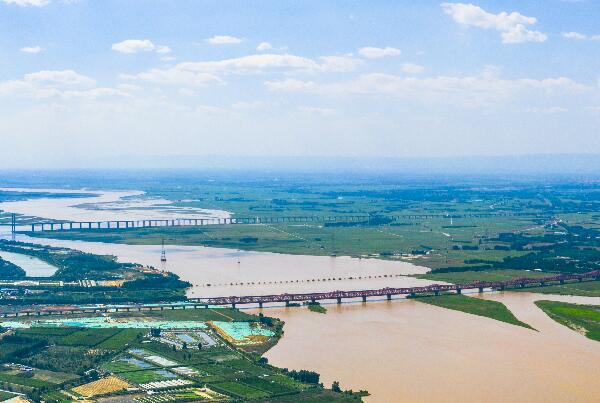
column 194, row 221
column 301, row 297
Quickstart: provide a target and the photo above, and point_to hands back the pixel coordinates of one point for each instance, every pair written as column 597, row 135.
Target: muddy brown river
column 408, row 351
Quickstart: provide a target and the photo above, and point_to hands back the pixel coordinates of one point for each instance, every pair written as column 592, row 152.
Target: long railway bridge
column 180, row 222
column 288, row 299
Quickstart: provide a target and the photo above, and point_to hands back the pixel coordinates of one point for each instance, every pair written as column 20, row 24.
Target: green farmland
column 49, row 361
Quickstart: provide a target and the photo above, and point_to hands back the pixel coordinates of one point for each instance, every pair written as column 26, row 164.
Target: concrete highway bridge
column 180, row 222
column 339, row 296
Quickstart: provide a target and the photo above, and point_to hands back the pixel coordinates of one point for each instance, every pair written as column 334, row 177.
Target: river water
column 103, row 206
column 33, row 266
column 408, row 351
column 400, row 350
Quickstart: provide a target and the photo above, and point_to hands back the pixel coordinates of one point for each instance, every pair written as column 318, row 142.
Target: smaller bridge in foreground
column 260, row 300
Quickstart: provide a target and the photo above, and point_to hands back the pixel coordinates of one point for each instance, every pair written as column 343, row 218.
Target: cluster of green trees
column 10, row 270
column 304, row 376
column 75, row 265
column 15, row 347
column 72, row 264
column 152, row 281
column 568, row 249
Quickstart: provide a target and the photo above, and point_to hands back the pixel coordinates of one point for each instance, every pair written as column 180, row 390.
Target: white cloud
column 246, row 105
column 264, row 46
column 210, row 110
column 376, row 53
column 485, row 88
column 520, row 34
column 134, row 46
column 223, row 40
column 129, row 87
column 162, row 49
column 291, row 85
column 174, row 75
column 552, row 110
column 338, row 64
column 412, row 68
column 317, row 111
column 95, row 93
column 31, row 49
column 580, row 36
column 55, row 78
column 200, row 73
column 511, row 26
column 573, row 35
column 28, row 3
column 65, row 84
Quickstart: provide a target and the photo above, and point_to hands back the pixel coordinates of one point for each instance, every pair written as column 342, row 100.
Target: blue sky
column 302, row 78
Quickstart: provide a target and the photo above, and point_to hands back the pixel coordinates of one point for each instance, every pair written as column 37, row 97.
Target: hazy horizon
column 470, row 166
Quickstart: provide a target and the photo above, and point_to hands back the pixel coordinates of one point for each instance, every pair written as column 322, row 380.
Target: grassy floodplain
column 307, row 239
column 585, row 289
column 490, row 309
column 584, row 319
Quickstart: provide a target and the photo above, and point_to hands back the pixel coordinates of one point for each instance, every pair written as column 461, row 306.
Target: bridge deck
column 177, row 222
column 288, row 298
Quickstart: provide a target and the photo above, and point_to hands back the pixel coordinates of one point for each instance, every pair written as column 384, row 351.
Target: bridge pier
column 436, row 292
column 287, row 303
column 364, row 298
column 480, row 290
column 389, row 297
column 260, row 304
column 339, row 300
column 458, row 291
column 562, row 281
column 233, row 305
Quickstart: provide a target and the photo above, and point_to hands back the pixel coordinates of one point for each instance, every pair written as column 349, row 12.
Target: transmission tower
column 13, row 226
